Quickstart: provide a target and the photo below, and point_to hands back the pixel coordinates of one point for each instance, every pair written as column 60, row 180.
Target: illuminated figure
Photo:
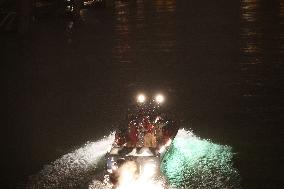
column 150, row 139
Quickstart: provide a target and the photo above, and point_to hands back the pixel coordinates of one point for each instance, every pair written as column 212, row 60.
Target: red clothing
column 133, row 135
column 148, row 127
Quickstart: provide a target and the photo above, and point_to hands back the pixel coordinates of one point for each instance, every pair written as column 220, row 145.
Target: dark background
column 219, row 63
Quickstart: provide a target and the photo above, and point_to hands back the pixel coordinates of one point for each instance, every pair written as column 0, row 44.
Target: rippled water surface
column 261, row 80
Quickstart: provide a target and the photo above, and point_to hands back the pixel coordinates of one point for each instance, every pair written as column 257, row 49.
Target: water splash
column 196, row 163
column 191, row 162
column 73, row 169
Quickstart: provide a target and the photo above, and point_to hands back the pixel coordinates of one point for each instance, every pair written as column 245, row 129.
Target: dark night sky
column 58, row 95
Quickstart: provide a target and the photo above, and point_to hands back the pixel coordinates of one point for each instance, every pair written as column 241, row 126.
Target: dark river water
column 219, row 63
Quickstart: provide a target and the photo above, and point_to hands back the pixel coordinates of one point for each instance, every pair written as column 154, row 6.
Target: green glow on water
column 192, row 162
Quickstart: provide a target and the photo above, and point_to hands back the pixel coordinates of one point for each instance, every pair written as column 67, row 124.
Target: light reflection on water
column 123, row 32
column 250, row 34
column 135, row 33
column 165, row 6
column 248, row 10
column 261, row 48
column 281, row 13
column 282, row 9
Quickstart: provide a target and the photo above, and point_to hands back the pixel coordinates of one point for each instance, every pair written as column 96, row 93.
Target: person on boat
column 133, row 134
column 159, row 124
column 120, row 137
column 150, row 139
column 146, row 123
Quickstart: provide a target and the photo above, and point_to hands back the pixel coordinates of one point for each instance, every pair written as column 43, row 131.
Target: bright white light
column 149, row 169
column 160, row 98
column 129, row 179
column 162, row 149
column 141, row 98
column 127, row 175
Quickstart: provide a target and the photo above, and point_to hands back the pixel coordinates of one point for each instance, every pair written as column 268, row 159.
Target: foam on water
column 73, row 169
column 195, row 163
column 191, row 162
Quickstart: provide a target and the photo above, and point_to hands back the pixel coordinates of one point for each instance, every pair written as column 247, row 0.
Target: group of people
column 145, row 132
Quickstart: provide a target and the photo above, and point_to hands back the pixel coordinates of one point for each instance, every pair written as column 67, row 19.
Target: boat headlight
column 159, row 98
column 141, row 98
